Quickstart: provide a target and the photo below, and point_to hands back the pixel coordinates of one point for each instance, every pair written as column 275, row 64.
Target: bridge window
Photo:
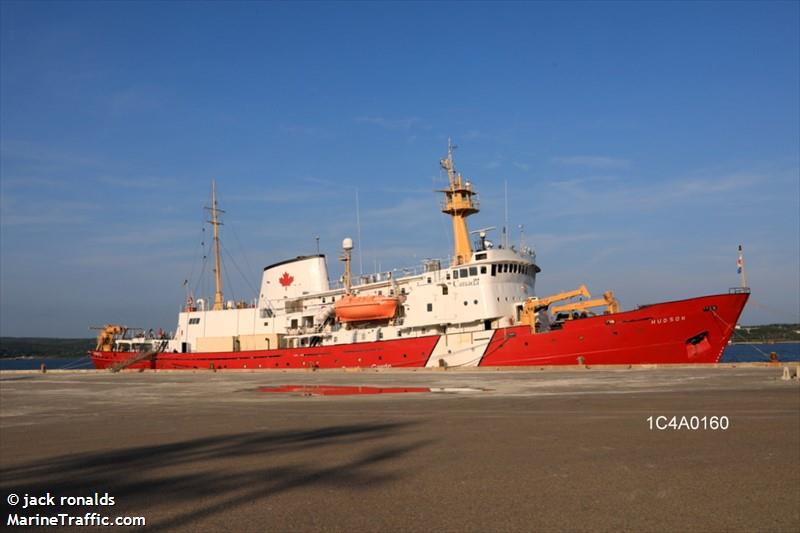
column 463, row 273
column 483, row 270
column 194, row 321
column 473, row 271
column 494, row 269
column 455, row 274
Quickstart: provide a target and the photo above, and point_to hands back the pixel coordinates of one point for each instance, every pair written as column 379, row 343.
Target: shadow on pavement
column 167, row 481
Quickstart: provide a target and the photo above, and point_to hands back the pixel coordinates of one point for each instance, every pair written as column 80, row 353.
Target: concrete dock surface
column 555, row 450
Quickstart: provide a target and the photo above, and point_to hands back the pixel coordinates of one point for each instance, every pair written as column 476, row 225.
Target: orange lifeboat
column 362, row 308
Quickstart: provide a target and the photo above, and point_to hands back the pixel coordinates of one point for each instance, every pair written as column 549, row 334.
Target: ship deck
column 556, row 449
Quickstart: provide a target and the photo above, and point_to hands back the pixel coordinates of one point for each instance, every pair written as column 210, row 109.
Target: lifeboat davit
column 362, row 308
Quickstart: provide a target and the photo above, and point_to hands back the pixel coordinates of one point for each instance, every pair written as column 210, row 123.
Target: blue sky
column 640, row 142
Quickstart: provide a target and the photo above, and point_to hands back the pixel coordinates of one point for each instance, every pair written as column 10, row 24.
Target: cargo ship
column 478, row 308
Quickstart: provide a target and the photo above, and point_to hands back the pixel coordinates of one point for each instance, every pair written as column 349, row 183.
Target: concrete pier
column 485, row 451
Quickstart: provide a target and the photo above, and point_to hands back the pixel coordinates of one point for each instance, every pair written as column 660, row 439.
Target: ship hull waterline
column 689, row 331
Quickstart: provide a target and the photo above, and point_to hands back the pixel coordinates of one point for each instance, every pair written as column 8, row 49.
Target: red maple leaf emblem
column 286, row 279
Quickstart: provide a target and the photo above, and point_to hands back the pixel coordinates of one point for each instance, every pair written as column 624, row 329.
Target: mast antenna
column 460, row 202
column 215, row 222
column 505, row 226
column 360, row 244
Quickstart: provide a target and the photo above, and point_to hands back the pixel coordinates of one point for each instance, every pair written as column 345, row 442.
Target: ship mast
column 215, row 222
column 459, row 204
column 740, row 266
column 347, row 247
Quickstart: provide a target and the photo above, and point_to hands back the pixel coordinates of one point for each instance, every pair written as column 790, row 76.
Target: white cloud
column 148, row 182
column 32, row 182
column 721, row 184
column 551, row 241
column 43, row 157
column 40, row 213
column 592, row 161
column 586, row 196
column 390, row 124
column 135, row 99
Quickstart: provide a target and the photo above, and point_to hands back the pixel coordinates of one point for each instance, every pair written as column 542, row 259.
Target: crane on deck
column 534, row 305
column 608, row 301
column 536, row 311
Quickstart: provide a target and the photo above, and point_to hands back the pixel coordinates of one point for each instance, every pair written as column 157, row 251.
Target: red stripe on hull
column 685, row 331
column 411, row 352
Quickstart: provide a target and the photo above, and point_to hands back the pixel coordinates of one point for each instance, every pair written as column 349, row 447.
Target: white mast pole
column 360, row 246
column 505, row 226
column 218, row 305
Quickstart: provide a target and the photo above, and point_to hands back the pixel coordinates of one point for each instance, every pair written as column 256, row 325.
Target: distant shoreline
column 779, row 341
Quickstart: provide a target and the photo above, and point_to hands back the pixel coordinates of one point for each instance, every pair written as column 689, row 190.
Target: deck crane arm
column 105, row 339
column 608, row 301
column 532, row 305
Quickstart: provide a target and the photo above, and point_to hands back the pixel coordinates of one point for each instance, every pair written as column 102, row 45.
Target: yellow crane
column 534, row 305
column 105, row 339
column 608, row 301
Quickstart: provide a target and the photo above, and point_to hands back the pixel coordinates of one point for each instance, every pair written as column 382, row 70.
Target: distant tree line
column 44, row 347
column 768, row 333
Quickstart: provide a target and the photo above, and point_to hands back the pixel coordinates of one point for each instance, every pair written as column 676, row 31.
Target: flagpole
column 740, row 265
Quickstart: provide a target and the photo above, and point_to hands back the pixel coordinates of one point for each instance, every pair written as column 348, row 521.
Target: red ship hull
column 681, row 332
column 411, row 352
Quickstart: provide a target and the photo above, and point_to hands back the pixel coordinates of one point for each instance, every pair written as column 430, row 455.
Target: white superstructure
column 296, row 305
column 483, row 288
